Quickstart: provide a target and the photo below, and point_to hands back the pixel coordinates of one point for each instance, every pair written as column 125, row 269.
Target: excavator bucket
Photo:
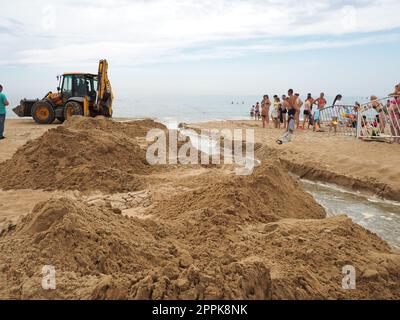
column 25, row 107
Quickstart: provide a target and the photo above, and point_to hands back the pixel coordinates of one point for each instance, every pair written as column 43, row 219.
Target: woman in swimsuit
column 321, row 101
column 265, row 112
column 266, row 104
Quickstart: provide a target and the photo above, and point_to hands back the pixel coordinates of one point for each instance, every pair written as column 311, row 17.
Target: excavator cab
column 78, row 85
column 82, row 94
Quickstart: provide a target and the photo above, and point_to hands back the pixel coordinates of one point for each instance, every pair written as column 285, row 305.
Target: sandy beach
column 81, row 197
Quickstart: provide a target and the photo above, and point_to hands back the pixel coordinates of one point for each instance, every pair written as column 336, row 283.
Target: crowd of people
column 281, row 110
column 285, row 112
column 387, row 119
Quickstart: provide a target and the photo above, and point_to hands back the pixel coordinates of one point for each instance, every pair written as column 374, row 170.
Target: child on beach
column 287, row 137
column 317, row 120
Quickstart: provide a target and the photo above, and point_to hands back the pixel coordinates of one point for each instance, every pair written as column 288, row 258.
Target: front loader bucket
column 25, row 107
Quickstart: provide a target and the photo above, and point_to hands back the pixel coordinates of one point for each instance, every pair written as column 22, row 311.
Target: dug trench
column 180, row 232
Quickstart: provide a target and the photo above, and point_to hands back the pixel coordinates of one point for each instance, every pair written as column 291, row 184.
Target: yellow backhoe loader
column 84, row 94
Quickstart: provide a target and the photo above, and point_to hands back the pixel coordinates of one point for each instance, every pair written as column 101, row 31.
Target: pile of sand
column 86, row 154
column 131, row 128
column 213, row 243
column 99, row 254
column 268, row 195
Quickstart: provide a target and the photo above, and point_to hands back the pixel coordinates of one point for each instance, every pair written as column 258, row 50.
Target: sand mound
column 133, row 128
column 85, row 154
column 100, row 254
column 267, row 195
column 310, row 256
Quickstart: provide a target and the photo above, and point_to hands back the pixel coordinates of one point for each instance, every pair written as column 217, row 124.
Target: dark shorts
column 306, row 112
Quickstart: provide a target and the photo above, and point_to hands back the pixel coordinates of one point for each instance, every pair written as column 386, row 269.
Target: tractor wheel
column 43, row 112
column 71, row 109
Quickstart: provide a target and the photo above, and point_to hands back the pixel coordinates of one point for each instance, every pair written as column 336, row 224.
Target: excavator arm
column 105, row 95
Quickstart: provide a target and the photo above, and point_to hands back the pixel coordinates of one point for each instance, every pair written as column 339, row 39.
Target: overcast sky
column 204, row 46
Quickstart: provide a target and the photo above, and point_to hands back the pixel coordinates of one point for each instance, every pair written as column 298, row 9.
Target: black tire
column 43, row 112
column 61, row 119
column 72, row 108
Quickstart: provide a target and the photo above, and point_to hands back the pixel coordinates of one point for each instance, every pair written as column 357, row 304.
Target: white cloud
column 132, row 32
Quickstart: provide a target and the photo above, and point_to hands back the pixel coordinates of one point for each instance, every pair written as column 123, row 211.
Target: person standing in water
column 3, row 104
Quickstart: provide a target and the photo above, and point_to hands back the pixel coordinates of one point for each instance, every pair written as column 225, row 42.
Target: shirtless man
column 298, row 104
column 292, row 98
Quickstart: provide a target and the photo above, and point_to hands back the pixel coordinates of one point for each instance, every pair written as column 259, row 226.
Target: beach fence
column 339, row 120
column 380, row 120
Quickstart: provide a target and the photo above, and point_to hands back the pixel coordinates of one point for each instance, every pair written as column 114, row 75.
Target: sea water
column 184, row 108
column 377, row 215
